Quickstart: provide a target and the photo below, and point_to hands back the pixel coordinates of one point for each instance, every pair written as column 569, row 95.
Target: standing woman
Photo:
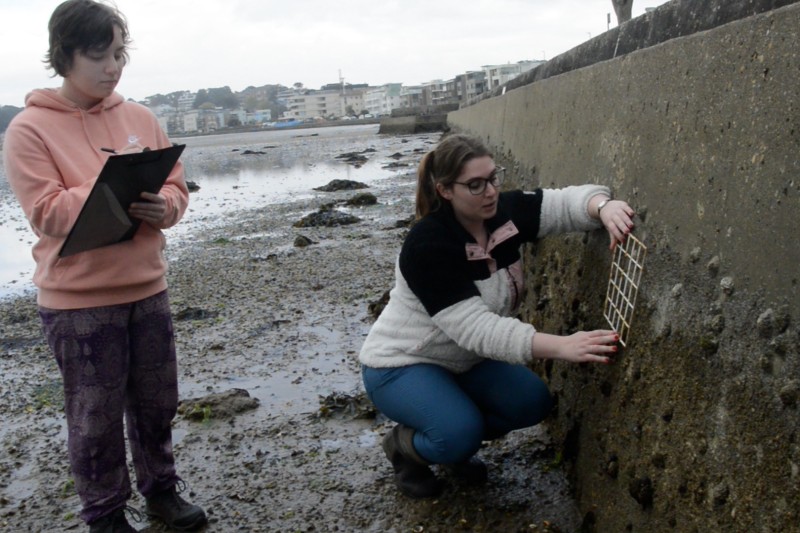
column 446, row 360
column 105, row 312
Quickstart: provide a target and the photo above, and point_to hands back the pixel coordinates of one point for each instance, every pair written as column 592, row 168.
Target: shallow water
column 284, row 164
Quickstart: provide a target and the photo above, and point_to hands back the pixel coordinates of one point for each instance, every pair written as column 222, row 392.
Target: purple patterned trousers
column 117, row 362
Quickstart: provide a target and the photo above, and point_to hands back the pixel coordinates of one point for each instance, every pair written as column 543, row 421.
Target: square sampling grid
column 623, row 285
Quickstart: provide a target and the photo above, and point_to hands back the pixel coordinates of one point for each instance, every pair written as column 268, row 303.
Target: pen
column 112, row 151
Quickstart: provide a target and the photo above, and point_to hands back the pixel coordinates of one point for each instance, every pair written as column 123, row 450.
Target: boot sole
column 199, row 522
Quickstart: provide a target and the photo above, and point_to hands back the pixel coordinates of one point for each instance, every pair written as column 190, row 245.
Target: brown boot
column 412, row 475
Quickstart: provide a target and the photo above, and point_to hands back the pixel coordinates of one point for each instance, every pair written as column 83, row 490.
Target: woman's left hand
column 617, row 217
column 152, row 211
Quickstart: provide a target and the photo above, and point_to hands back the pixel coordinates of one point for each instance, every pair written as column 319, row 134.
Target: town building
column 470, row 84
column 411, row 96
column 337, row 100
column 498, row 75
column 307, row 104
column 434, row 92
column 381, row 100
column 186, row 101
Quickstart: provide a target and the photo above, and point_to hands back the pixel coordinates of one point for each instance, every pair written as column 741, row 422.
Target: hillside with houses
column 274, row 106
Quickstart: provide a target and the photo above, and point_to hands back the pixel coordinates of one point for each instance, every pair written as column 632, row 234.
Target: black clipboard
column 104, row 218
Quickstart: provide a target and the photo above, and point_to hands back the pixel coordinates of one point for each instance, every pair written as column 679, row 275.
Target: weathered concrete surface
column 696, row 426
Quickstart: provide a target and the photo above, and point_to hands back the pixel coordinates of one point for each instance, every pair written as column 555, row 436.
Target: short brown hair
column 80, row 26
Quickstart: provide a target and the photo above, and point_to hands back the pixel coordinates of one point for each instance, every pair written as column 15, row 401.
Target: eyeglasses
column 477, row 186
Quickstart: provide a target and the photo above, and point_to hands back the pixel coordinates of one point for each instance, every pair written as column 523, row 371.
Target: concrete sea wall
column 413, row 124
column 695, row 427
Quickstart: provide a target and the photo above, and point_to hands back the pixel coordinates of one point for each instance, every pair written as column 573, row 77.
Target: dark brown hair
column 80, row 26
column 443, row 166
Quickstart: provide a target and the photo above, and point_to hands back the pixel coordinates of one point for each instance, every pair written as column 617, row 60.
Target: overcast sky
column 197, row 44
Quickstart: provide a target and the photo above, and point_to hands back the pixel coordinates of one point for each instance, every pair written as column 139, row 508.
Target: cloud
column 188, row 45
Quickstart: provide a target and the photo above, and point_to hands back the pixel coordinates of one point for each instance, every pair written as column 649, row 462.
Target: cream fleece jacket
column 52, row 158
column 471, row 327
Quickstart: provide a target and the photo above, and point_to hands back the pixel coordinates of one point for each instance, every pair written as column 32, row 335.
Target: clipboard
column 104, row 218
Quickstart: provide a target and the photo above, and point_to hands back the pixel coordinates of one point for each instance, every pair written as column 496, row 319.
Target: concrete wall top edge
column 679, row 18
column 701, row 134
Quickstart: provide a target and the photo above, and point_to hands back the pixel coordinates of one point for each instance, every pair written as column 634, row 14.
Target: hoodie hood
column 50, row 99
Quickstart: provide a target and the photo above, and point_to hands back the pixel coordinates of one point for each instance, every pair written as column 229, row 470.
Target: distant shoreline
column 305, row 125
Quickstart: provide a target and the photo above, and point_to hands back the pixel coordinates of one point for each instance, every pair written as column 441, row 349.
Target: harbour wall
column 695, row 426
column 412, row 124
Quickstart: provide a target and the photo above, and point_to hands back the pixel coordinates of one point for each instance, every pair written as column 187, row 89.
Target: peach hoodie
column 52, row 158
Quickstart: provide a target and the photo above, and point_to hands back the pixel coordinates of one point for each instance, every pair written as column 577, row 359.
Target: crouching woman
column 446, row 359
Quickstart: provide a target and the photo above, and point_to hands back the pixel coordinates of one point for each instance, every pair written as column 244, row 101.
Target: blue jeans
column 453, row 413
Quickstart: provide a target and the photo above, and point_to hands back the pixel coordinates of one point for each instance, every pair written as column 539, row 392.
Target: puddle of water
column 331, row 445
column 24, row 479
column 367, row 439
column 16, row 240
column 22, row 485
column 295, row 390
column 294, row 385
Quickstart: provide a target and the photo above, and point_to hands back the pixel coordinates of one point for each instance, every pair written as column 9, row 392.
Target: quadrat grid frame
column 623, row 286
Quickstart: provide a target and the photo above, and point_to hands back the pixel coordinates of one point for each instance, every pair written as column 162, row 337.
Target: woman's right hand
column 582, row 347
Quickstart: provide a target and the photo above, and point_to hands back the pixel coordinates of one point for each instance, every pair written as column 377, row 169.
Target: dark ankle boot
column 174, row 511
column 412, row 475
column 114, row 522
column 473, row 471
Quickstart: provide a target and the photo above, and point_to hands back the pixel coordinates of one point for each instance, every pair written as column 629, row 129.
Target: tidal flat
column 273, row 433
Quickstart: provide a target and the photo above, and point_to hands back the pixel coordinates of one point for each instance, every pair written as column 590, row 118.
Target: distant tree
column 277, row 109
column 201, row 98
column 174, row 97
column 253, row 103
column 7, row 112
column 161, row 99
column 623, row 9
column 207, row 106
column 170, row 99
column 223, row 97
column 298, row 85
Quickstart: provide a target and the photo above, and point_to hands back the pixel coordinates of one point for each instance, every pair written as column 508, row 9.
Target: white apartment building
column 191, row 121
column 186, row 101
column 381, row 100
column 207, row 120
column 497, row 75
column 353, row 102
column 470, row 84
column 163, row 123
column 434, row 92
column 411, row 96
column 308, row 104
column 259, row 116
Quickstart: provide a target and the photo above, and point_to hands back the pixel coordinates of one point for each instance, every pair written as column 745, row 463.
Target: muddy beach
column 273, row 432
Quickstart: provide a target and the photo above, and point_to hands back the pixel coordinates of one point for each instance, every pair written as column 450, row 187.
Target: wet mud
column 274, row 433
